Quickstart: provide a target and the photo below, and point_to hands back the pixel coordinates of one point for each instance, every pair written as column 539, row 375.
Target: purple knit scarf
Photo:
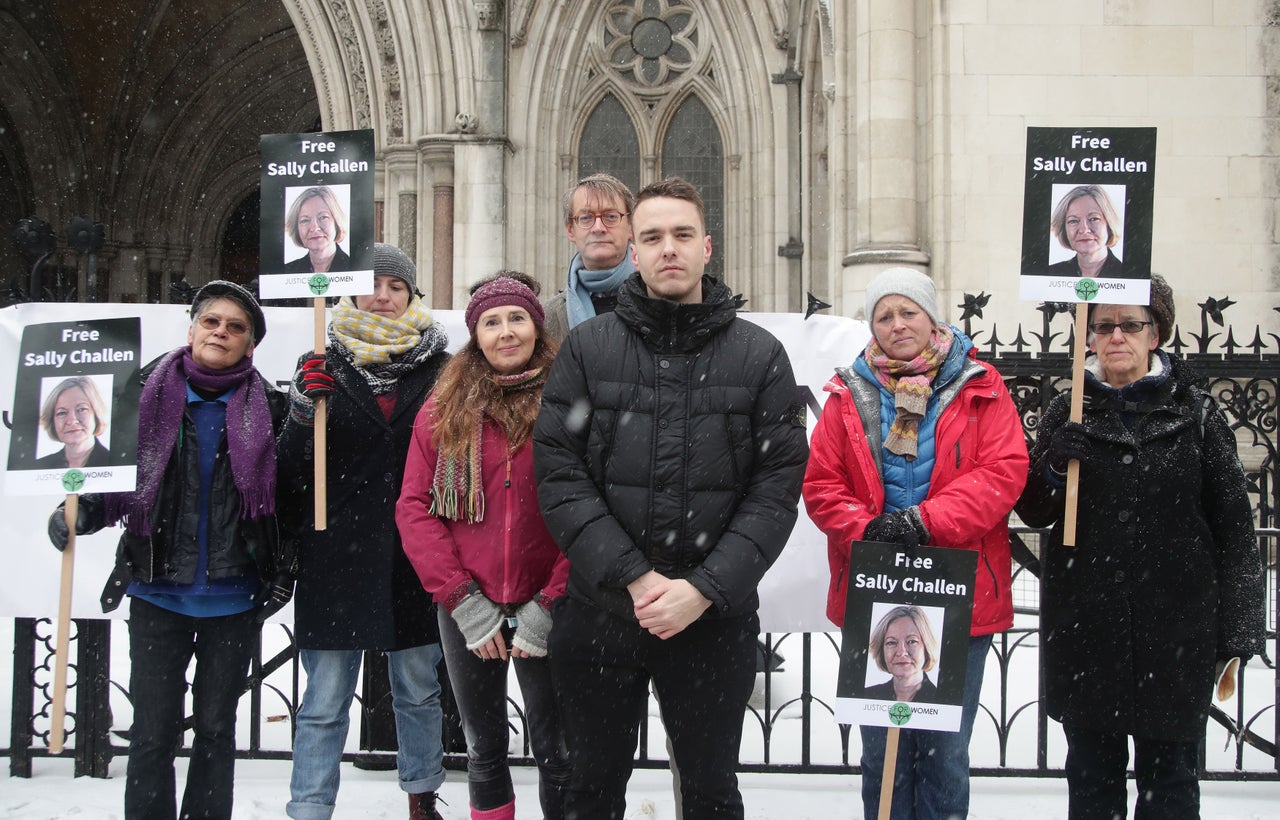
column 250, row 438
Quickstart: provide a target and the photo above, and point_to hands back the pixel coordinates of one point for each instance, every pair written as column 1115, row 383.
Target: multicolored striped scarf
column 911, row 384
column 382, row 349
column 457, row 489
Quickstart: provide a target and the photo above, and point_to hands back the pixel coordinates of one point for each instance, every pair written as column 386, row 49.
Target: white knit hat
column 906, row 282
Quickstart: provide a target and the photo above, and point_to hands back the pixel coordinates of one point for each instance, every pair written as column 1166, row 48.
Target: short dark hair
column 675, row 188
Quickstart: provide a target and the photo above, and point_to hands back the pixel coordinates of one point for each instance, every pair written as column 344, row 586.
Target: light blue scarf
column 583, row 283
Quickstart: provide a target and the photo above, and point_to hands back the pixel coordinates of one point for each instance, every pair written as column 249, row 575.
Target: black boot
column 423, row 807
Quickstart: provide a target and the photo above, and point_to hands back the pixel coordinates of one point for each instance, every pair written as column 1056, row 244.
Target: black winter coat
column 237, row 546
column 672, row 438
column 1165, row 577
column 356, row 588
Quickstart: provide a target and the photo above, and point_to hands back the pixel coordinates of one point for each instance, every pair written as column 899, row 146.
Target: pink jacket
column 979, row 472
column 510, row 554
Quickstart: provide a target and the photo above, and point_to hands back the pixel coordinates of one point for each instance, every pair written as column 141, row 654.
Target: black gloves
column 87, row 510
column 901, row 527
column 1070, row 441
column 313, row 380
column 271, row 599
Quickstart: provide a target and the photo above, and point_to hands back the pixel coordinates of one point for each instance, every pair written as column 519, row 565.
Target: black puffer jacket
column 1165, row 577
column 672, row 438
column 237, row 546
column 356, row 587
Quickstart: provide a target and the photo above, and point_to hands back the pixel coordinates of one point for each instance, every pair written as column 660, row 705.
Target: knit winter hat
column 501, row 292
column 222, row 289
column 388, row 260
column 1161, row 308
column 904, row 282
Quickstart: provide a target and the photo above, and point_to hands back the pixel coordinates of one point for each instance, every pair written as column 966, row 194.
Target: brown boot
column 423, row 807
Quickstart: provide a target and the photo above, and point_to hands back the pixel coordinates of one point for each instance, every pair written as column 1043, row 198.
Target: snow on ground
column 262, row 788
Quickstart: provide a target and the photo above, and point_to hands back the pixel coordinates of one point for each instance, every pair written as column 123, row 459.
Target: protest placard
column 1087, row 211
column 75, row 408
column 316, row 217
column 905, row 640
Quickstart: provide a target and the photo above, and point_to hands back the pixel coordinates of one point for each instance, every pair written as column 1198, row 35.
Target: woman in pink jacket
column 919, row 443
column 469, row 520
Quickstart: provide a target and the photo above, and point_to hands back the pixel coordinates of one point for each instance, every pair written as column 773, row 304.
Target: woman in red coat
column 919, row 443
column 469, row 519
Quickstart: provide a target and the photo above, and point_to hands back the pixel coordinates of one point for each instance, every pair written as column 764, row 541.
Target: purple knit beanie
column 501, row 292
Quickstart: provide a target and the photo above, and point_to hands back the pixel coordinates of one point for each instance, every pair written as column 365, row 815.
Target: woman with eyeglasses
column 357, row 591
column 1163, row 587
column 200, row 557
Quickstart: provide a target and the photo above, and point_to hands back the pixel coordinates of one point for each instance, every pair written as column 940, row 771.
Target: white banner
column 793, row 594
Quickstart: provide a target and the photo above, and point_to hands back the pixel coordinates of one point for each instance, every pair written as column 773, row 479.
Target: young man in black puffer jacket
column 669, row 454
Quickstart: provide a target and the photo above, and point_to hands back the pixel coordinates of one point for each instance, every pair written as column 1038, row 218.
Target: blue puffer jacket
column 906, row 482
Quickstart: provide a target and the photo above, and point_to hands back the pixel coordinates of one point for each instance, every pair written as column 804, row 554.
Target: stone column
column 437, row 168
column 400, row 201
column 884, row 113
column 480, row 159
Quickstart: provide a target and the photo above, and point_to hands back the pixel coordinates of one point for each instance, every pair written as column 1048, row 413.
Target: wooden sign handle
column 1077, row 414
column 321, row 437
column 889, row 772
column 58, row 719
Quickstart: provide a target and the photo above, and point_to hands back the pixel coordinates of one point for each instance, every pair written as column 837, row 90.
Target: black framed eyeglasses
column 611, row 219
column 1128, row 327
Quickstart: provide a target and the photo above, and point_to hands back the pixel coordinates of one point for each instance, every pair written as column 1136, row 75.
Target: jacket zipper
column 506, row 532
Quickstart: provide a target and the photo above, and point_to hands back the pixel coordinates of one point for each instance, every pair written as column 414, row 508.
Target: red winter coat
column 978, row 474
column 510, row 554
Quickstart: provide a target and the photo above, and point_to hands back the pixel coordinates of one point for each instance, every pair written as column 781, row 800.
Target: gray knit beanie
column 388, row 260
column 906, row 282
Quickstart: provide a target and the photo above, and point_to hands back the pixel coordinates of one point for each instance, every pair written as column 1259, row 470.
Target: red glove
column 313, row 380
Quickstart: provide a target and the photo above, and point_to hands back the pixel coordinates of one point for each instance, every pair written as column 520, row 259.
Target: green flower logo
column 899, row 713
column 1086, row 289
column 318, row 284
column 72, row 480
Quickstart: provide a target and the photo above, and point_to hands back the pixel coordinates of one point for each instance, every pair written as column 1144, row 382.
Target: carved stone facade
column 851, row 136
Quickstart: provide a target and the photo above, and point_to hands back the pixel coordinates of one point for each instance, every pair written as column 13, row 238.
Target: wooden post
column 1077, row 413
column 321, row 423
column 890, row 770
column 57, row 720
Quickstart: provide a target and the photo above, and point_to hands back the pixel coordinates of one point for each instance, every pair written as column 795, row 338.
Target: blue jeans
column 325, row 717
column 161, row 645
column 931, row 781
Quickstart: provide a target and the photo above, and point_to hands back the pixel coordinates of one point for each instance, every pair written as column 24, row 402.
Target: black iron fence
column 789, row 724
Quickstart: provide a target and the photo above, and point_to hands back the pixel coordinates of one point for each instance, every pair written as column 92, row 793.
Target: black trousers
column 1097, row 762
column 602, row 666
column 480, row 687
column 161, row 645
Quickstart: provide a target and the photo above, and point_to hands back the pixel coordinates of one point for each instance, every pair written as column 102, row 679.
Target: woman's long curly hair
column 466, row 391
